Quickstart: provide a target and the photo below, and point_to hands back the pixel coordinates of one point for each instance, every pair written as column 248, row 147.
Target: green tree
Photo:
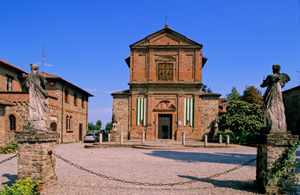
column 108, row 126
column 243, row 119
column 91, row 126
column 234, row 95
column 98, row 125
column 252, row 95
column 206, row 89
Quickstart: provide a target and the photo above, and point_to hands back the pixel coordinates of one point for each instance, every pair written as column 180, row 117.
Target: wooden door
column 164, row 126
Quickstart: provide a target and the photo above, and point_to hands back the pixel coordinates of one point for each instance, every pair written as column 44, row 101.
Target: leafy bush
column 284, row 168
column 243, row 119
column 22, row 186
column 9, row 148
column 237, row 137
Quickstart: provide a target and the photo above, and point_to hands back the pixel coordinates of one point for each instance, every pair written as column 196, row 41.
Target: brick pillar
column 36, row 159
column 114, row 136
column 269, row 149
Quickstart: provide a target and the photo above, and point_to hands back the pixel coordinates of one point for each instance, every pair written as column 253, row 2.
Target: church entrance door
column 165, row 126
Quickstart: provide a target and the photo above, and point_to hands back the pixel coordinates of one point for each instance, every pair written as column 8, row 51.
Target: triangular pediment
column 166, row 36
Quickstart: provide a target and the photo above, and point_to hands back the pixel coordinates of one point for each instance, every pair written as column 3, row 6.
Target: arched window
column 75, row 99
column 70, row 123
column 53, row 126
column 12, row 122
column 66, row 96
column 67, row 122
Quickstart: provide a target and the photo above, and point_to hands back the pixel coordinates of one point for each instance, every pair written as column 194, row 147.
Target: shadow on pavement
column 12, row 179
column 190, row 157
column 248, row 186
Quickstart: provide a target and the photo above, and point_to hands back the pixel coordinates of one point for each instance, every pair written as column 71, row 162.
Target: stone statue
column 114, row 126
column 38, row 98
column 216, row 127
column 273, row 108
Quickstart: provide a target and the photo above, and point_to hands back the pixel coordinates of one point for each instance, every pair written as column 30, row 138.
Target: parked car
column 91, row 137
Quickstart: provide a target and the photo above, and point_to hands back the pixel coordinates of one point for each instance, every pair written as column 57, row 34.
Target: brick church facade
column 67, row 113
column 165, row 96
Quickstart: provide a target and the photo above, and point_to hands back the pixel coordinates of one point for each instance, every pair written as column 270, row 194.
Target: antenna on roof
column 166, row 25
column 43, row 64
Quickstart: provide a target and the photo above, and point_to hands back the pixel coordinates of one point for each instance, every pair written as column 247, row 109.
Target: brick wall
column 16, row 84
column 209, row 110
column 77, row 112
column 2, row 126
column 120, row 110
column 187, row 65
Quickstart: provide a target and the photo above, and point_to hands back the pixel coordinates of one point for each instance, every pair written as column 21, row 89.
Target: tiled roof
column 8, row 64
column 125, row 92
column 47, row 75
column 50, row 76
column 44, row 74
column 297, row 88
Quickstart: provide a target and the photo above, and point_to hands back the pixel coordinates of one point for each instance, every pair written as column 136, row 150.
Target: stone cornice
column 165, row 85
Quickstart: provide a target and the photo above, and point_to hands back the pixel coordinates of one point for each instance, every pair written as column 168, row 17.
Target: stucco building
column 67, row 113
column 165, row 96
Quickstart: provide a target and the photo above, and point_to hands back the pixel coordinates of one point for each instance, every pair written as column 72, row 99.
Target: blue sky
column 86, row 42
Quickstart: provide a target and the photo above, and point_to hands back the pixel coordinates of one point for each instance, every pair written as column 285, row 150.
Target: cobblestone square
column 149, row 166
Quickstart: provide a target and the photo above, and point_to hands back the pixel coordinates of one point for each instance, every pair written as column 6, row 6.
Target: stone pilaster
column 36, row 149
column 270, row 148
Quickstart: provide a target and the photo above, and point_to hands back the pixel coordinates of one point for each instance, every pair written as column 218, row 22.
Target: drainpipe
column 86, row 107
column 62, row 113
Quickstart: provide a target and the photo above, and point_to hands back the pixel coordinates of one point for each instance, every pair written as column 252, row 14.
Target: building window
column 82, row 102
column 66, row 96
column 9, row 80
column 75, row 99
column 165, row 71
column 12, row 122
column 53, row 126
column 68, row 123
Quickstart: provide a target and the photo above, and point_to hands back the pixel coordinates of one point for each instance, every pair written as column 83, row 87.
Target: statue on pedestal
column 114, row 126
column 273, row 107
column 38, row 98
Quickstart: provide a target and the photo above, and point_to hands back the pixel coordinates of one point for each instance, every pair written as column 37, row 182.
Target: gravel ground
column 152, row 166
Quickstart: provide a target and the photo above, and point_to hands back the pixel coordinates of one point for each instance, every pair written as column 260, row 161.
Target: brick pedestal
column 270, row 148
column 36, row 159
column 115, row 136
